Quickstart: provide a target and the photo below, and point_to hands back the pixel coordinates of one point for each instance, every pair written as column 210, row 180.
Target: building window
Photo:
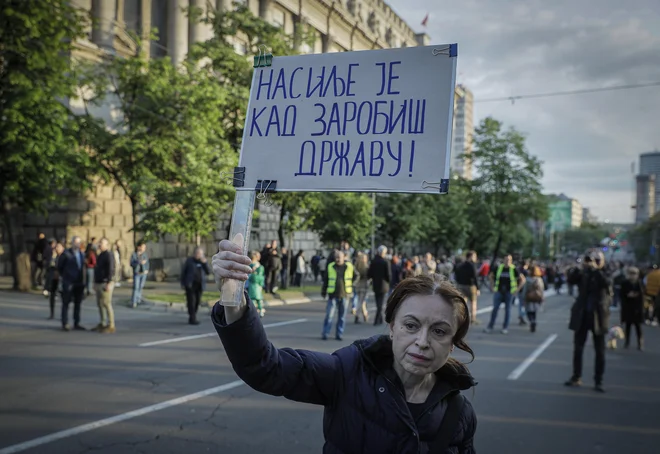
column 351, row 5
column 159, row 22
column 277, row 18
column 371, row 21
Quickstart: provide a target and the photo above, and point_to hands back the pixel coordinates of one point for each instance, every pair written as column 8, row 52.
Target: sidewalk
column 169, row 294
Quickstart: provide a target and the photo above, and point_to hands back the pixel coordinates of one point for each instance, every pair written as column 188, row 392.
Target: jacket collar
column 377, row 352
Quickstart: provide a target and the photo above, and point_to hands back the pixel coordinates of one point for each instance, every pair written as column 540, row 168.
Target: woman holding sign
column 397, row 393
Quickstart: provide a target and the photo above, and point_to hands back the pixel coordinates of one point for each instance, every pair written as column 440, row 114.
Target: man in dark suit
column 380, row 273
column 71, row 267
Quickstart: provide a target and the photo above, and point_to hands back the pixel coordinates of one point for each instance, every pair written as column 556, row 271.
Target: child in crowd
column 256, row 282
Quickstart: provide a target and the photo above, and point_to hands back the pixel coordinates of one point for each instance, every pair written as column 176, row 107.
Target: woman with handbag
column 533, row 294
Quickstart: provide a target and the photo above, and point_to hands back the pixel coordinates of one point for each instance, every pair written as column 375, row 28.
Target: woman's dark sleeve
column 469, row 425
column 299, row 375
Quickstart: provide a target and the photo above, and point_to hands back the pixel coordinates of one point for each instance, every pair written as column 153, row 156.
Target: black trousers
column 638, row 330
column 380, row 297
column 193, row 299
column 579, row 339
column 73, row 293
column 54, row 283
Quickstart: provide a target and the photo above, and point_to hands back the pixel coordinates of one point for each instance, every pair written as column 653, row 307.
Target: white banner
column 368, row 121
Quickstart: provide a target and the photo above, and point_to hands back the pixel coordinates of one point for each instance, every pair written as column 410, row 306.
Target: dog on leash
column 613, row 334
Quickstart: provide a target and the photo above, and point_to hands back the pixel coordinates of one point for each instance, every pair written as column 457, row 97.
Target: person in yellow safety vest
column 505, row 286
column 652, row 291
column 338, row 286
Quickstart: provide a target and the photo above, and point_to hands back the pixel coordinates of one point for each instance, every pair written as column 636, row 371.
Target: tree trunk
column 134, row 217
column 15, row 240
column 497, row 248
column 280, row 227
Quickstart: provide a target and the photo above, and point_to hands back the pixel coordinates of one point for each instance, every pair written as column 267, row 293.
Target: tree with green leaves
column 239, row 26
column 40, row 159
column 343, row 216
column 444, row 222
column 509, row 179
column 580, row 239
column 400, row 218
column 168, row 148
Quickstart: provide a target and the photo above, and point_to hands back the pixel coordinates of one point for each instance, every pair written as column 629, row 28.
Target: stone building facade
column 339, row 25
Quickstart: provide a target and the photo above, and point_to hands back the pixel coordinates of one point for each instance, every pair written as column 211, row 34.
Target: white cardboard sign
column 368, row 121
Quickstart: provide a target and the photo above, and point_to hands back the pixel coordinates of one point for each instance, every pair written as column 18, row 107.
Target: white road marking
column 518, row 371
column 200, row 336
column 118, row 418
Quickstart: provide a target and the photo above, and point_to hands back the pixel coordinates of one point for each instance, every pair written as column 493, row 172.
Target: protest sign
column 368, row 121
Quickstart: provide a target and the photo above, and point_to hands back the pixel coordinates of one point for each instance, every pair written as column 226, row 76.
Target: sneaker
column 654, row 323
column 338, row 338
column 262, row 312
column 79, row 328
column 475, row 322
column 505, row 331
column 108, row 330
column 99, row 327
column 488, row 330
column 193, row 322
column 598, row 387
column 324, row 337
column 66, row 328
column 573, row 382
column 532, row 327
column 521, row 321
column 45, row 293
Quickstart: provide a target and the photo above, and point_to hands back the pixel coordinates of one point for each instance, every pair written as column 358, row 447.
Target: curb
column 149, row 304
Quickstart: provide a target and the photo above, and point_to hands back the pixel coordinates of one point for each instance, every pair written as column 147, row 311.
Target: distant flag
column 426, row 20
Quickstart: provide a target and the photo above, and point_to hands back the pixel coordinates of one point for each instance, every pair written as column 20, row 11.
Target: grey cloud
column 512, row 47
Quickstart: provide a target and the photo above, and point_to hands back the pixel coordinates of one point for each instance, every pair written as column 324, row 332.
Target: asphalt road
column 152, row 388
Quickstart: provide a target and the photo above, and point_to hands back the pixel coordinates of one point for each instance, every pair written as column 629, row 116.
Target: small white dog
column 613, row 334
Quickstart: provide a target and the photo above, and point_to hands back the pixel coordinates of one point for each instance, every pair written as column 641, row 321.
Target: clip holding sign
column 237, row 179
column 264, row 59
column 265, row 187
column 442, row 186
column 451, row 50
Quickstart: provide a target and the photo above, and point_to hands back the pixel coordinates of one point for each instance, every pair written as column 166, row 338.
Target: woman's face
column 422, row 334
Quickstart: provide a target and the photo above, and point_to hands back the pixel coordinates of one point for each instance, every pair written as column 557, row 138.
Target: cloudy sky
column 515, row 47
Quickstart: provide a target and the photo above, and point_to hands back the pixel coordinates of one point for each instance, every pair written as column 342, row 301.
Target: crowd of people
column 72, row 274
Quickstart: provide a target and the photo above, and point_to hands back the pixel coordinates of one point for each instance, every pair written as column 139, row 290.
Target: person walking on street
column 467, row 282
column 523, row 272
column 632, row 306
column 300, row 267
column 445, row 267
column 591, row 312
column 389, row 394
column 193, row 280
column 71, row 268
column 116, row 252
column 104, row 275
column 285, row 277
column 90, row 265
column 380, row 274
column 505, row 286
column 273, row 269
column 37, row 259
column 429, row 265
column 140, row 265
column 339, row 288
column 256, row 283
column 49, row 253
column 652, row 292
column 54, row 277
column 532, row 296
column 362, row 287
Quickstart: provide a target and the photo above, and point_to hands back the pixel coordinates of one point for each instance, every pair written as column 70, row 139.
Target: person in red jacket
column 90, row 265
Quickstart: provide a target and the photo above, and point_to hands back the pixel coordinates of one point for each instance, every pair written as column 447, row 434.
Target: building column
column 199, row 32
column 103, row 33
column 145, row 27
column 264, row 10
column 177, row 30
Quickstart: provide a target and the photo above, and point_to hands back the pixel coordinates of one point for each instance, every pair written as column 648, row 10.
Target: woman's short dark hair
column 434, row 285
